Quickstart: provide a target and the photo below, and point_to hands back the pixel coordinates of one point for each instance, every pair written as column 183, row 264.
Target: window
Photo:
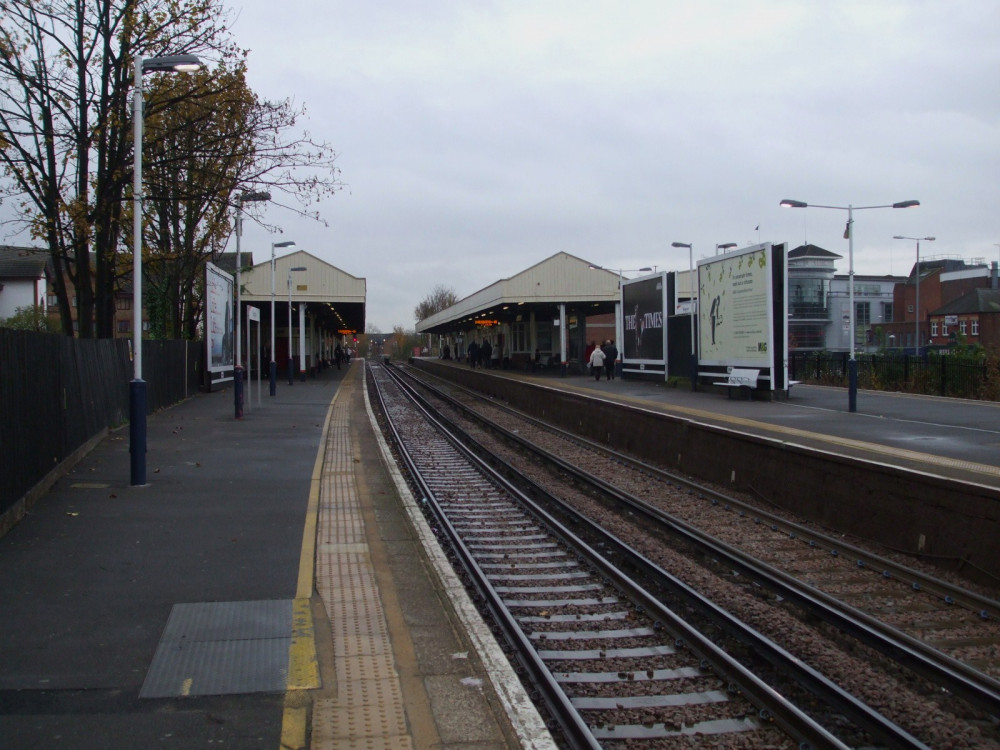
column 975, row 326
column 909, row 308
column 886, row 312
column 862, row 320
column 123, row 303
column 124, row 326
column 962, row 325
column 944, row 329
column 519, row 337
column 934, row 328
column 51, row 300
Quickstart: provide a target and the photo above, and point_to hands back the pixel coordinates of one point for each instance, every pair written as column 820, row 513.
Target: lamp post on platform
column 238, row 369
column 916, row 284
column 274, row 364
column 291, row 358
column 852, row 363
column 137, row 388
column 693, row 304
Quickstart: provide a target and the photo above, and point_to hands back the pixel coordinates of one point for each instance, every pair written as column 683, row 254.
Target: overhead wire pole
column 916, row 291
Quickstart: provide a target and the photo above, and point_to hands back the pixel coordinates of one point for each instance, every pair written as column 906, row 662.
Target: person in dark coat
column 486, row 353
column 473, row 354
column 610, row 355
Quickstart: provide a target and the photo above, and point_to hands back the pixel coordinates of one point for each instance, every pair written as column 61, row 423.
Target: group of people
column 602, row 359
column 484, row 355
column 342, row 355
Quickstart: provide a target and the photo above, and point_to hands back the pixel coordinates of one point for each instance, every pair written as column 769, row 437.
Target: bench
column 740, row 378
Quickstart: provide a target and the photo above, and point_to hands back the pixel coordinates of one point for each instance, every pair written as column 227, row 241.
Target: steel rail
column 578, row 734
column 790, row 717
column 931, row 663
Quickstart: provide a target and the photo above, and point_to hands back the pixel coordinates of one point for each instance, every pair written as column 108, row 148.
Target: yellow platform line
column 303, row 663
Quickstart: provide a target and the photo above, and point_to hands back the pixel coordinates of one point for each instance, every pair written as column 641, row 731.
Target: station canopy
column 333, row 298
column 583, row 287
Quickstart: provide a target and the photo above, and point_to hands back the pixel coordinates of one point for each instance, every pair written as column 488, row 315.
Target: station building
column 544, row 316
column 315, row 306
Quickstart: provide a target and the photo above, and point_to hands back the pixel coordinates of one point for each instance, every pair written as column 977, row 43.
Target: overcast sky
column 478, row 138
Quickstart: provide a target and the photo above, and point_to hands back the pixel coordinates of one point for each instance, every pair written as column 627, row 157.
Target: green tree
column 66, row 73
column 30, row 318
column 66, row 137
column 217, row 137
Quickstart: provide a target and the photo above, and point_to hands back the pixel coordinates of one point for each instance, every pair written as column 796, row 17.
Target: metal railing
column 932, row 373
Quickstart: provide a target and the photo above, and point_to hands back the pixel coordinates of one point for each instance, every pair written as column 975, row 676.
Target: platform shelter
column 544, row 316
column 324, row 304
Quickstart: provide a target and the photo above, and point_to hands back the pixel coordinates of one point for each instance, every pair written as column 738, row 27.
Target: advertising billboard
column 219, row 322
column 736, row 308
column 643, row 314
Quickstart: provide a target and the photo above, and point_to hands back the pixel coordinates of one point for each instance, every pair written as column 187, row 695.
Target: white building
column 22, row 279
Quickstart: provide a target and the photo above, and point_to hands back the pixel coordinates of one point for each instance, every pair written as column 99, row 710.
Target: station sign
column 487, row 323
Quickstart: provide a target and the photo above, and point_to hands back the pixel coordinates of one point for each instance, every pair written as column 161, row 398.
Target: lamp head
column 789, row 203
column 287, row 243
column 261, row 195
column 172, row 64
column 725, row 245
column 681, row 244
column 906, row 204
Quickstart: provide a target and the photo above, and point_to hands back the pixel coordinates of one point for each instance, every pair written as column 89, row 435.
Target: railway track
column 944, row 619
column 965, row 679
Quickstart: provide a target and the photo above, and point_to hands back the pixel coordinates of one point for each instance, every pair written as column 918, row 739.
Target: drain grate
column 222, row 648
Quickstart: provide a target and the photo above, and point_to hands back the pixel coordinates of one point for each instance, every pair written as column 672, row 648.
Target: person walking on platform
column 473, row 354
column 597, row 362
column 486, row 353
column 610, row 355
column 338, row 355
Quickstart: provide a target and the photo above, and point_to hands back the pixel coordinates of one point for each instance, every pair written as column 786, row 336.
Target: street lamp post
column 852, row 363
column 916, row 284
column 724, row 246
column 691, row 302
column 291, row 358
column 238, row 369
column 137, row 388
column 274, row 365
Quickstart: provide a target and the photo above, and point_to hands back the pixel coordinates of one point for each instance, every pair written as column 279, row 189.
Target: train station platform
column 273, row 585
column 954, row 438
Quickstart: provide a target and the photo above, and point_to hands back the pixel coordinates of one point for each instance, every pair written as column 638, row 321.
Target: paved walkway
column 183, row 613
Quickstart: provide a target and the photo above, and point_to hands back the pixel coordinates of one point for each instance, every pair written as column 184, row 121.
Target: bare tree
column 219, row 136
column 440, row 298
column 66, row 135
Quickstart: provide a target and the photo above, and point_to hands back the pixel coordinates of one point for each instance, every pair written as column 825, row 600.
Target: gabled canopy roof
column 334, row 295
column 561, row 278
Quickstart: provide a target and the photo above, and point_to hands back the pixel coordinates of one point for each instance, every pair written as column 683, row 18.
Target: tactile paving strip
column 222, row 648
column 368, row 711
